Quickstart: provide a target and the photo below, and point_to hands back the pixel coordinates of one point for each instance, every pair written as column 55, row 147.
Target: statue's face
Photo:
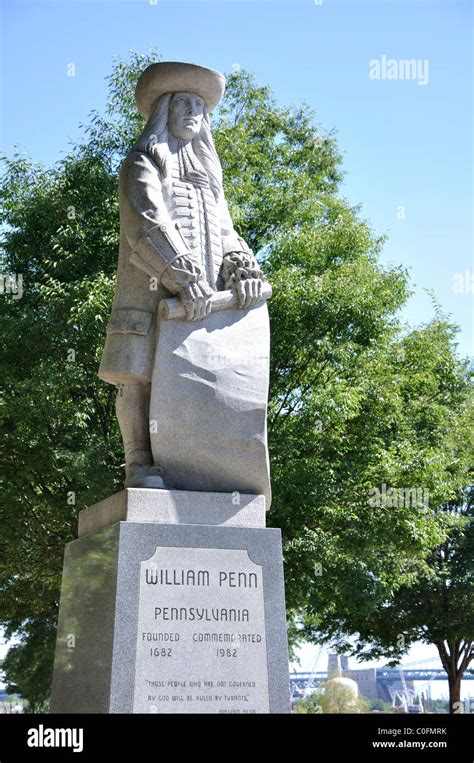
column 185, row 115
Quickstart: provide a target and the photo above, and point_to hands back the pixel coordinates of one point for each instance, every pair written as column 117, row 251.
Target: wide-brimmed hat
column 176, row 77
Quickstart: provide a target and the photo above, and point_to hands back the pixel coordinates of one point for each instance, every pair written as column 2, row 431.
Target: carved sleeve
column 237, row 266
column 239, row 261
column 158, row 248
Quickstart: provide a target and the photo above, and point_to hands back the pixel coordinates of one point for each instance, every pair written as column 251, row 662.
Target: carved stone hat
column 177, row 77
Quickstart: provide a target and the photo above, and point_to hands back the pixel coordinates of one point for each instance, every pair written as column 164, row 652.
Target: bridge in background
column 375, row 683
column 383, row 675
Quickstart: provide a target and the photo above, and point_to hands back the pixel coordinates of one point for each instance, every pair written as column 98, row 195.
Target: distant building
column 365, row 678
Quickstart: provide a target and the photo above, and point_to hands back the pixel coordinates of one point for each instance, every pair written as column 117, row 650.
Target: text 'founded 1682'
column 201, row 645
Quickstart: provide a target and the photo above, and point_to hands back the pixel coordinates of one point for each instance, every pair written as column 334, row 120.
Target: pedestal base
column 171, row 507
column 172, row 618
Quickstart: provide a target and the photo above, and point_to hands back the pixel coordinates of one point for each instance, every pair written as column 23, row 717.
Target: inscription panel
column 201, row 641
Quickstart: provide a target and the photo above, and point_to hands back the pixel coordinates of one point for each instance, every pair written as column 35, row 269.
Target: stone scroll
column 209, row 398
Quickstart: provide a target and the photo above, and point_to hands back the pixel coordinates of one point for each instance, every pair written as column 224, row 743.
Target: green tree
column 379, row 706
column 338, row 418
column 435, row 604
column 60, row 443
column 308, row 706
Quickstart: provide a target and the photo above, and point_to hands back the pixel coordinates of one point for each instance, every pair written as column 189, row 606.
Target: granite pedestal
column 158, row 616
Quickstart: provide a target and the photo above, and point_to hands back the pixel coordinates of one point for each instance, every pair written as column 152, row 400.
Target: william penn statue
column 187, row 342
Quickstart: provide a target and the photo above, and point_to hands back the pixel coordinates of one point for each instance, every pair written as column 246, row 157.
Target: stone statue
column 177, row 241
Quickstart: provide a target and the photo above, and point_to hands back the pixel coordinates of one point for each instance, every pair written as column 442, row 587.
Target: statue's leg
column 133, row 412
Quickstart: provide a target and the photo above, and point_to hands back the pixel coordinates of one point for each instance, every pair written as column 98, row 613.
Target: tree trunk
column 455, row 657
column 454, row 693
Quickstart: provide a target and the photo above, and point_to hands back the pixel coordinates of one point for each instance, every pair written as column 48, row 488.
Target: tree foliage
column 432, row 601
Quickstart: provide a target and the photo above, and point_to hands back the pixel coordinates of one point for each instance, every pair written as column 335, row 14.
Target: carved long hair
column 154, row 140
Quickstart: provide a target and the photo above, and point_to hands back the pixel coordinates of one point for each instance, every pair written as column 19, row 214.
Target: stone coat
column 160, row 219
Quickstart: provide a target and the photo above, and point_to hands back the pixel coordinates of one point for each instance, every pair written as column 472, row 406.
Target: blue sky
column 407, row 146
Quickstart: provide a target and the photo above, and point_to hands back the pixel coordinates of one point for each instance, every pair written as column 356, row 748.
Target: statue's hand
column 240, row 271
column 249, row 291
column 196, row 298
